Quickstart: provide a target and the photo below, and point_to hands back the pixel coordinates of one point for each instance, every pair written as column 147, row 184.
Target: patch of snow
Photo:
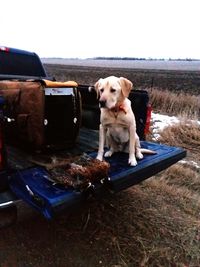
column 159, row 122
column 190, row 162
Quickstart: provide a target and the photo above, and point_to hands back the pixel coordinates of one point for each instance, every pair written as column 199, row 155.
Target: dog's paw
column 132, row 161
column 108, row 154
column 99, row 157
column 139, row 155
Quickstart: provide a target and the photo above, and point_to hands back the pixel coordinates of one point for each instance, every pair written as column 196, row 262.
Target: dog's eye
column 101, row 90
column 112, row 90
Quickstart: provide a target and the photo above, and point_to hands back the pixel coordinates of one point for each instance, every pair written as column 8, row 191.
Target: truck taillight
column 3, row 48
column 148, row 119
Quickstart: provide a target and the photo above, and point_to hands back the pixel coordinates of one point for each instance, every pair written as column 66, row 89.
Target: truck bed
column 50, row 199
column 87, row 142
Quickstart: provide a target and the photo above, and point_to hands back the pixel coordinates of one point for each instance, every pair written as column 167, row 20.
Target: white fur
column 118, row 126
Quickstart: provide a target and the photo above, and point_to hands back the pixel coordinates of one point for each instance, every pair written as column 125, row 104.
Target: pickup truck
column 43, row 121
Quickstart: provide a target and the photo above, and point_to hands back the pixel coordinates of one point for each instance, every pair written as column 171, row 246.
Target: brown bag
column 29, row 115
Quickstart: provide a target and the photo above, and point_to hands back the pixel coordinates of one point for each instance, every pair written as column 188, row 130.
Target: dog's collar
column 119, row 108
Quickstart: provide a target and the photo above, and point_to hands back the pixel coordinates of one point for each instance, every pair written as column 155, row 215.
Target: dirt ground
column 35, row 241
column 86, row 237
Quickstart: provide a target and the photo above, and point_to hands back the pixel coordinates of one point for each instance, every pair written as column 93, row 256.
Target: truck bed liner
column 20, row 159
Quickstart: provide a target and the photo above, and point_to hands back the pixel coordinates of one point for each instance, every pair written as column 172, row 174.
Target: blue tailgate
column 33, row 185
column 123, row 176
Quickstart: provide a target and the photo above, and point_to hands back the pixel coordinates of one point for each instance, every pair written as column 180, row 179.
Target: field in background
column 174, row 80
column 129, row 64
column 153, row 224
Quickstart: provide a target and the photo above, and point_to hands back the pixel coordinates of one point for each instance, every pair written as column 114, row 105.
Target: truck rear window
column 16, row 63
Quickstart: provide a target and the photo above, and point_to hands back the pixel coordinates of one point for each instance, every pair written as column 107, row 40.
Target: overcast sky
column 89, row 28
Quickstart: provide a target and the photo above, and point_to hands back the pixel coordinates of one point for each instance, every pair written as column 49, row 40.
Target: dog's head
column 112, row 91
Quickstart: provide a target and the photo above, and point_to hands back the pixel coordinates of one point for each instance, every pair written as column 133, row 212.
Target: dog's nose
column 102, row 103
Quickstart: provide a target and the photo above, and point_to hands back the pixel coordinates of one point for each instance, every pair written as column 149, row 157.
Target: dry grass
column 184, row 134
column 177, row 188
column 175, row 103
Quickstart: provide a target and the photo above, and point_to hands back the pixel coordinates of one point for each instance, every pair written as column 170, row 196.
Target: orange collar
column 119, row 108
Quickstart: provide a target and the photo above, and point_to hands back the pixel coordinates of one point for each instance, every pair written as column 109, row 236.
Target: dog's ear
column 96, row 87
column 126, row 86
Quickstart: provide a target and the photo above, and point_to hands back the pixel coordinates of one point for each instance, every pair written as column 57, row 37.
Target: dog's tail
column 147, row 151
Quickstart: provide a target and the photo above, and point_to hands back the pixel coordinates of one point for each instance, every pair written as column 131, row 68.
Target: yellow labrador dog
column 118, row 126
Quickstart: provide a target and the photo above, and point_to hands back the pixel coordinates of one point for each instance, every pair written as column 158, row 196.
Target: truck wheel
column 8, row 216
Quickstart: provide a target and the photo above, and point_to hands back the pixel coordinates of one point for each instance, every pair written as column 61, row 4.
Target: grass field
column 153, row 224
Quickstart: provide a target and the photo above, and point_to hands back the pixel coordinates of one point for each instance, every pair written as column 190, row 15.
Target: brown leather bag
column 29, row 113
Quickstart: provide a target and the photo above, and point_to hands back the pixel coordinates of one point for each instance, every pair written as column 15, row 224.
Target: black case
column 62, row 118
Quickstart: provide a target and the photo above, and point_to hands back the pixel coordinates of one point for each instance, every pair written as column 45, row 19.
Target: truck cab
column 16, row 62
